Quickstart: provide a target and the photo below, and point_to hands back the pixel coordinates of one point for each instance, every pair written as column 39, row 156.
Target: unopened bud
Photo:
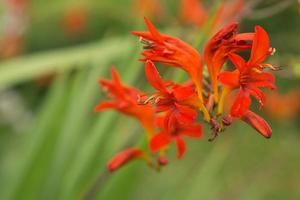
column 258, row 123
column 124, row 157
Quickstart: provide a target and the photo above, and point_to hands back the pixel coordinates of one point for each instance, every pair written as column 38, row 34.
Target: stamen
column 145, row 41
column 274, row 68
column 153, row 99
column 272, row 51
column 257, row 70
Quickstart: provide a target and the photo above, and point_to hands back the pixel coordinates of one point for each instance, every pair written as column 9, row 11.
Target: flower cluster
column 170, row 114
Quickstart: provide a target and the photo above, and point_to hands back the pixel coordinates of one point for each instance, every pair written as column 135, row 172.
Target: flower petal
column 185, row 114
column 153, row 77
column 238, row 61
column 258, row 123
column 194, row 131
column 159, row 141
column 182, row 93
column 105, row 105
column 244, row 36
column 230, row 79
column 258, row 94
column 265, row 79
column 241, row 104
column 157, row 36
column 180, row 147
column 260, row 46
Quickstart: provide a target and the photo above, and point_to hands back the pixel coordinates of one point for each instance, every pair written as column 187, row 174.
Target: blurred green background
column 52, row 144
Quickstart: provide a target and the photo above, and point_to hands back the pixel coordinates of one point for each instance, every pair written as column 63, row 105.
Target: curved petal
column 230, row 79
column 238, row 61
column 105, row 105
column 182, row 93
column 241, row 104
column 185, row 114
column 153, row 77
column 258, row 123
column 260, row 46
column 115, row 76
column 258, row 95
column 180, row 147
column 194, row 131
column 156, row 35
column 266, row 80
column 159, row 141
column 244, row 36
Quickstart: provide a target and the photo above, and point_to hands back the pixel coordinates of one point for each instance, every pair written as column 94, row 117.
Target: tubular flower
column 169, row 114
column 124, row 157
column 174, row 130
column 218, row 48
column 258, row 123
column 124, row 99
column 174, row 52
column 249, row 76
column 180, row 97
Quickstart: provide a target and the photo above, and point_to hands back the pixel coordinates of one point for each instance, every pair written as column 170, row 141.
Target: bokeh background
column 52, row 144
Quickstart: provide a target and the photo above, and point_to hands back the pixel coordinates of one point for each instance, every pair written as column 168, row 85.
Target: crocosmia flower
column 249, row 76
column 173, row 52
column 218, row 48
column 172, row 97
column 170, row 113
column 124, row 99
column 174, row 130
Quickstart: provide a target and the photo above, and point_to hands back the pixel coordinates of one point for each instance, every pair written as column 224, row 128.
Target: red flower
column 124, row 157
column 174, row 130
column 288, row 103
column 224, row 42
column 258, row 123
column 124, row 99
column 193, row 12
column 174, row 52
column 249, row 76
column 179, row 98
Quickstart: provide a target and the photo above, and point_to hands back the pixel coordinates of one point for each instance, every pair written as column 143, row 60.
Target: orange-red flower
column 249, row 76
column 193, row 12
column 124, row 157
column 258, row 123
column 174, row 52
column 288, row 103
column 174, row 130
column 216, row 51
column 124, row 99
column 170, row 96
